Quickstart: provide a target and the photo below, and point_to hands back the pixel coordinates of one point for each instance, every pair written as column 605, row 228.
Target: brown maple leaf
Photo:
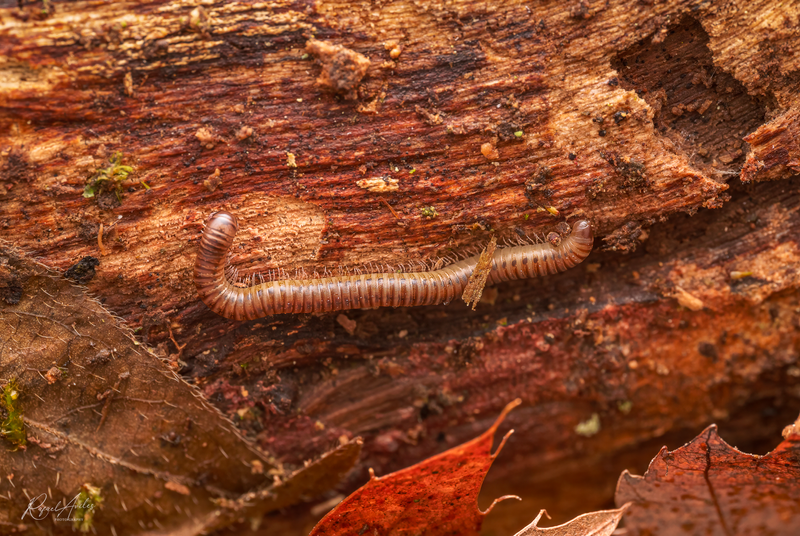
column 708, row 487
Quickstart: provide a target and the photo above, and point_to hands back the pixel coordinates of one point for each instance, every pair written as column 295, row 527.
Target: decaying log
column 470, row 118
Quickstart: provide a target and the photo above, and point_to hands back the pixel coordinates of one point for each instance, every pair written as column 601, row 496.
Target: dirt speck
column 127, row 81
column 342, row 68
column 213, row 181
column 632, row 170
column 394, row 49
column 10, row 285
column 348, row 325
column 53, row 375
column 489, row 150
column 82, row 271
column 431, row 117
column 206, row 136
column 244, row 133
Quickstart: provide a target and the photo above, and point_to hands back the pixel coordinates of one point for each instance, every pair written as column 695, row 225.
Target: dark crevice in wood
column 704, row 111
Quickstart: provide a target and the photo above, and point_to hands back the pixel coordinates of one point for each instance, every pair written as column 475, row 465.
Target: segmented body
column 366, row 290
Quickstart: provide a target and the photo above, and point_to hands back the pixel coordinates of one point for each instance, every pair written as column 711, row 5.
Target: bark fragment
column 342, row 68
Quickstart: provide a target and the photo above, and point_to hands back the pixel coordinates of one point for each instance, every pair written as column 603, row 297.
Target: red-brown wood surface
column 637, row 116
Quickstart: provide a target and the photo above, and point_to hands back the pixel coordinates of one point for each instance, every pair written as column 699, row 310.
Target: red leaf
column 438, row 496
column 709, row 488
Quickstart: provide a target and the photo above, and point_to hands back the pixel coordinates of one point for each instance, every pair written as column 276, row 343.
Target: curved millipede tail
column 365, row 291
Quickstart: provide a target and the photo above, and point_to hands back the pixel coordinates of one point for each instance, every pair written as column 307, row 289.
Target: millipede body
column 365, row 291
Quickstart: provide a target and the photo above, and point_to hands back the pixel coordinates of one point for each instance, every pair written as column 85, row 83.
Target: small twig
column 100, row 240
column 396, row 216
column 178, row 346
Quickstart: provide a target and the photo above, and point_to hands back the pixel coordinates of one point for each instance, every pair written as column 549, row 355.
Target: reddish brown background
column 638, row 116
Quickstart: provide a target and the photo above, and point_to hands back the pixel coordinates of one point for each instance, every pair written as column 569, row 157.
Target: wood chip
column 177, row 487
column 687, row 300
column 379, row 185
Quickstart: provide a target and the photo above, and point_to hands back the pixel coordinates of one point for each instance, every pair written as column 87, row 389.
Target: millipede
column 367, row 291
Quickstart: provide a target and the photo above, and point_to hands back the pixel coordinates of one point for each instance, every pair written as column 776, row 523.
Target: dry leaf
column 318, row 476
column 435, row 497
column 116, row 427
column 602, row 523
column 708, row 488
column 477, row 281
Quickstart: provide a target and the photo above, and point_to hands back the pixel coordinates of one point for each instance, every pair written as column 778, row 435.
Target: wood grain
column 631, row 115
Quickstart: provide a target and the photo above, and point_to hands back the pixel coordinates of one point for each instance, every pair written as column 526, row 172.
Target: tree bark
column 490, row 118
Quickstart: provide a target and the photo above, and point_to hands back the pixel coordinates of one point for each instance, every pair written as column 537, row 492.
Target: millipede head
column 582, row 229
column 224, row 222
